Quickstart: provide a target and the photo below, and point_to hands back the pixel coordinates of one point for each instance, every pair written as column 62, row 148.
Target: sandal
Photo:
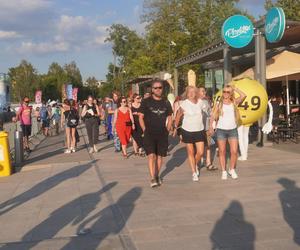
column 142, row 154
column 211, row 167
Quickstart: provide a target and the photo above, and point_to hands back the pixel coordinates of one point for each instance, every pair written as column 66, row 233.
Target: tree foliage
column 174, row 28
column 24, row 80
column 291, row 8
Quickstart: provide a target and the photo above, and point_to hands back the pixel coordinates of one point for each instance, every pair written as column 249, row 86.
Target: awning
column 278, row 67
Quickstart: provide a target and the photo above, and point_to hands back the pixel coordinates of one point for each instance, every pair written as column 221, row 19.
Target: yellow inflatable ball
column 256, row 103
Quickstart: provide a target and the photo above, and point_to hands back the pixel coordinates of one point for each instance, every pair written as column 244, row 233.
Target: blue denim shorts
column 223, row 134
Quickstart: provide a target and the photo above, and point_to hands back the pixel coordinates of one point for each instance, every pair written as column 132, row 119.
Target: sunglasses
column 124, row 101
column 138, row 97
column 158, row 87
column 226, row 92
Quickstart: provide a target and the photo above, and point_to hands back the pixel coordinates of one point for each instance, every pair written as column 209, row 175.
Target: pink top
column 25, row 115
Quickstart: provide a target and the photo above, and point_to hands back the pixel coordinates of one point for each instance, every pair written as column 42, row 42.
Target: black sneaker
column 159, row 180
column 153, row 183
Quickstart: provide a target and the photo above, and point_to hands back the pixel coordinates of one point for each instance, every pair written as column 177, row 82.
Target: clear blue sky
column 44, row 31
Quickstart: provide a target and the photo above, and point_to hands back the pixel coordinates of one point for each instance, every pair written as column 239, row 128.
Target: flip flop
column 211, row 167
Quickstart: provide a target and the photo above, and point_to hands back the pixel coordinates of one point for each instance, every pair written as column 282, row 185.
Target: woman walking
column 137, row 132
column 90, row 114
column 193, row 133
column 227, row 118
column 123, row 124
column 69, row 120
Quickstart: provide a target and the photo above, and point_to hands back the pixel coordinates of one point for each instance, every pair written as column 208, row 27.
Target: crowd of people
column 148, row 122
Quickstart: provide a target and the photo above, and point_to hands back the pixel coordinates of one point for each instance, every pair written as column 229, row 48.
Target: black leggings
column 92, row 128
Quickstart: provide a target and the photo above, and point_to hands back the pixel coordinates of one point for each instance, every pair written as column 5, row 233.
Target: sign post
column 238, row 32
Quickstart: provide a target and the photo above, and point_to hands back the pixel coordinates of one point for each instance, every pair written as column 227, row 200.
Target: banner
column 69, row 91
column 75, row 92
column 63, row 92
column 38, row 97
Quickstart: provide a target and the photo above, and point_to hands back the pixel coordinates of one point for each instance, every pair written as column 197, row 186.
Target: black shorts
column 26, row 130
column 45, row 123
column 156, row 144
column 193, row 137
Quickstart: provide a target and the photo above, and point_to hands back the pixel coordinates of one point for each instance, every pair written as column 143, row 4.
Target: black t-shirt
column 155, row 114
column 89, row 115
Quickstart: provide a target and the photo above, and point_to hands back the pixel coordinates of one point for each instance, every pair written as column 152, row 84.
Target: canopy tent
column 282, row 67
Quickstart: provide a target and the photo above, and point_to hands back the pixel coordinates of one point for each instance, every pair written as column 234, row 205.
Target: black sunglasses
column 226, row 92
column 158, row 87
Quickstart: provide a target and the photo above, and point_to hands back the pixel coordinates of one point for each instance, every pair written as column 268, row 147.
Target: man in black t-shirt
column 155, row 120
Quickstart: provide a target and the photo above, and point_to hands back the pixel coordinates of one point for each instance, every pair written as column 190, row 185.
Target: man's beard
column 157, row 95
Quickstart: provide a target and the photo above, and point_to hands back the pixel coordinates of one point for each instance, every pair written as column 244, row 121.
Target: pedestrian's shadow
column 290, row 202
column 44, row 156
column 64, row 216
column 178, row 158
column 231, row 231
column 173, row 142
column 106, row 222
column 43, row 187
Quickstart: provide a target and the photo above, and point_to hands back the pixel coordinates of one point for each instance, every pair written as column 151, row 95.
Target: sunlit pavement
column 102, row 201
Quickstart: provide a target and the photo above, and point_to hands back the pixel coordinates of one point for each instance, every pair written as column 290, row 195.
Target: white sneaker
column 241, row 158
column 233, row 174
column 91, row 150
column 195, row 177
column 197, row 171
column 73, row 150
column 224, row 175
column 68, row 151
column 95, row 149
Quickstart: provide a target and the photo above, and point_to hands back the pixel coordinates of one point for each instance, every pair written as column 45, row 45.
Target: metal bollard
column 19, row 149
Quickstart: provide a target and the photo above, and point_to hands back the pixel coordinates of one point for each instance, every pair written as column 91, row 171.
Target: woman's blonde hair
column 218, row 108
column 187, row 90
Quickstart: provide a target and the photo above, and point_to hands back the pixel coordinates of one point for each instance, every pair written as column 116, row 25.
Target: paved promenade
column 101, row 201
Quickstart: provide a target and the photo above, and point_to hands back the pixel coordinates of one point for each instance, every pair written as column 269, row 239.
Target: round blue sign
column 275, row 25
column 237, row 31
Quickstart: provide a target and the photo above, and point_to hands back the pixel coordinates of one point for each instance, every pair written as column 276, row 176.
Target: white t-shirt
column 192, row 115
column 227, row 120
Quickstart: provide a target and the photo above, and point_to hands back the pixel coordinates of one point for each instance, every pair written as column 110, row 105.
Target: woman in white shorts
column 193, row 132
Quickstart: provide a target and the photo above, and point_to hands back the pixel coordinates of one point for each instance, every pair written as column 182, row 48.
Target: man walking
column 156, row 121
column 111, row 111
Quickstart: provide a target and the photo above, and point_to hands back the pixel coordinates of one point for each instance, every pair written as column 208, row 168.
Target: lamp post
column 124, row 72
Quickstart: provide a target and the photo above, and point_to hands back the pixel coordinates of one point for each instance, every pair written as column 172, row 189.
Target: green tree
column 73, row 74
column 92, row 85
column 291, row 8
column 24, row 79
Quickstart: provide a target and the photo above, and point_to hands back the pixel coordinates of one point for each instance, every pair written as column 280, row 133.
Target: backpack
column 44, row 114
column 72, row 119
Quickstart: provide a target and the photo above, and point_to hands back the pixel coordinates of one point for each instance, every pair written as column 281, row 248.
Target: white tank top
column 227, row 120
column 192, row 115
